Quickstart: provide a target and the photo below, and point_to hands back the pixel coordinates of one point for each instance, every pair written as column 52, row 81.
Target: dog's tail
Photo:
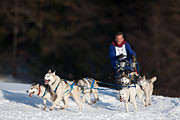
column 153, row 79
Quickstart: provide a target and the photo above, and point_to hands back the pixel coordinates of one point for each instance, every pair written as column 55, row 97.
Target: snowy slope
column 15, row 104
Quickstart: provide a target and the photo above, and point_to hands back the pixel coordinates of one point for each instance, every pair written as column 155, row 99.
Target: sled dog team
column 56, row 90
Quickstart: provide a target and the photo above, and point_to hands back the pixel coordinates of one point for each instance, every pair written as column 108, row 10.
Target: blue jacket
column 116, row 50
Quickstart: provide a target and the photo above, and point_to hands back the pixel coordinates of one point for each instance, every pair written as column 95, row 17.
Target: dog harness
column 92, row 84
column 44, row 93
column 131, row 86
column 46, row 90
column 56, row 87
column 71, row 86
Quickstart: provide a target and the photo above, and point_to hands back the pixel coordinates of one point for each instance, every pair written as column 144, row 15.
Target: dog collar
column 39, row 91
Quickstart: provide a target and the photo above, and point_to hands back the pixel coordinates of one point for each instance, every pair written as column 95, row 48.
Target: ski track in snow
column 15, row 104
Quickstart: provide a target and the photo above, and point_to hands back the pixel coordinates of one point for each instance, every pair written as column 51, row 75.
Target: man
column 121, row 50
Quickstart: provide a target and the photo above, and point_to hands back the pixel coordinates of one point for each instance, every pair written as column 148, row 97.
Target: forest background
column 73, row 38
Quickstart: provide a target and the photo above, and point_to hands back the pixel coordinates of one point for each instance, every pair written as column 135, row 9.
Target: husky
column 43, row 92
column 128, row 94
column 147, row 86
column 128, row 79
column 89, row 86
column 125, row 81
column 62, row 90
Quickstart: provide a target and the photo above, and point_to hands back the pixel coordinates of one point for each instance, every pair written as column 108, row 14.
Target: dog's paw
column 146, row 105
column 149, row 104
column 90, row 103
column 50, row 109
column 94, row 102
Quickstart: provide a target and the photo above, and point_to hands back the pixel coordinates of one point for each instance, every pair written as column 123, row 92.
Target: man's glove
column 134, row 58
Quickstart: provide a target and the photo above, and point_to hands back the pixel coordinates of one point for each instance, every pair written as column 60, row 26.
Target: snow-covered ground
column 15, row 104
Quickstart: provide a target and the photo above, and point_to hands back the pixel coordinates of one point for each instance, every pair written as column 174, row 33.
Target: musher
column 120, row 52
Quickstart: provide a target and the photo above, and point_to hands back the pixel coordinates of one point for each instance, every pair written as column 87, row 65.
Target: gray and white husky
column 62, row 90
column 147, row 86
column 43, row 92
column 89, row 86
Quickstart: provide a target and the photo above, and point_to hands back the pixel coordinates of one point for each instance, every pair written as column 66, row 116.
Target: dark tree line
column 73, row 38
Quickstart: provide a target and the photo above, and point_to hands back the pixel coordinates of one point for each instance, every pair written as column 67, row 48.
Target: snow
column 15, row 104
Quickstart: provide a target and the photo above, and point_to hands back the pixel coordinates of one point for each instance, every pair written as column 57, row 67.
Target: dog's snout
column 123, row 84
column 27, row 91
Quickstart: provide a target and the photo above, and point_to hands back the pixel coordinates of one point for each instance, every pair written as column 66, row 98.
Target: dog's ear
column 49, row 71
column 54, row 72
column 34, row 84
column 37, row 85
column 144, row 77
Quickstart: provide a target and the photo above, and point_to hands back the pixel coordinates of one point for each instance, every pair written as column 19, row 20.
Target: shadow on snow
column 23, row 98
